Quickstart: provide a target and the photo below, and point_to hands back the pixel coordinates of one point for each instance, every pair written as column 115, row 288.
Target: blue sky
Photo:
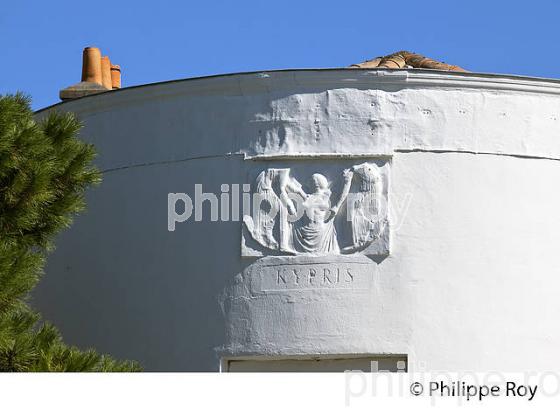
column 42, row 41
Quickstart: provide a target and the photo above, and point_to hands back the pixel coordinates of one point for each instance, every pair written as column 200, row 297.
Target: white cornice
column 302, row 79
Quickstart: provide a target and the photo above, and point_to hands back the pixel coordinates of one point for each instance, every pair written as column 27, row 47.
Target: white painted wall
column 471, row 282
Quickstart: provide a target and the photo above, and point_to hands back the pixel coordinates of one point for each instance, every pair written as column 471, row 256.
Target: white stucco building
column 464, row 275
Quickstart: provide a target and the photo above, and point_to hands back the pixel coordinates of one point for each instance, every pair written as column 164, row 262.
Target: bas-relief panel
column 318, row 208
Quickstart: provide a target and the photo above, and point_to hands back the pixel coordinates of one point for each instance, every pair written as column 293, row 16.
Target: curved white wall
column 471, row 279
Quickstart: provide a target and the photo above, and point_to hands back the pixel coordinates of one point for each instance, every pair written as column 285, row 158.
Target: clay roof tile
column 406, row 59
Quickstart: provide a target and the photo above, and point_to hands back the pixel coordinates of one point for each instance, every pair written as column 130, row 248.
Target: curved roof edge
column 363, row 77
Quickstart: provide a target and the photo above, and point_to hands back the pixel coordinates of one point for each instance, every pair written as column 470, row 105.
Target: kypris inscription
column 302, row 275
column 313, row 276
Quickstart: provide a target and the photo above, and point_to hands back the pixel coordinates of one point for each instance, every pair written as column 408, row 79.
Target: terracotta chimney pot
column 106, row 72
column 91, row 66
column 116, row 76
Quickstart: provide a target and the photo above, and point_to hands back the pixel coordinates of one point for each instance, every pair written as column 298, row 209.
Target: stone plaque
column 306, row 273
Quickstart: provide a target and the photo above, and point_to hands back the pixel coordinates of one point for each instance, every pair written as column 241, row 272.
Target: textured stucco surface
column 470, row 283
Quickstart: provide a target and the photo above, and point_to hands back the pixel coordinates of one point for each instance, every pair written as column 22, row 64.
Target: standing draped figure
column 365, row 206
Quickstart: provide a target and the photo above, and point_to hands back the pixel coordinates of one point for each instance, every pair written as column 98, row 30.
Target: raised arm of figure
column 347, row 174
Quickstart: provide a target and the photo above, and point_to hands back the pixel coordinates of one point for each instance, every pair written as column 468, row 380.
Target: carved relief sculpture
column 314, row 231
column 288, row 220
column 263, row 224
column 366, row 207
